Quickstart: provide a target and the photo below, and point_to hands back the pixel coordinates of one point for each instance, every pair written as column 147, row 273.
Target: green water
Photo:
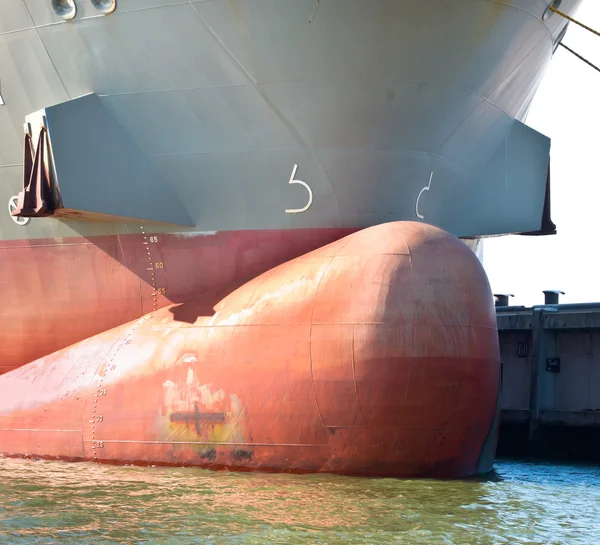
column 59, row 503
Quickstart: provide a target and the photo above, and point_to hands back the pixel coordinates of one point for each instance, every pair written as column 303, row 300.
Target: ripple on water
column 52, row 502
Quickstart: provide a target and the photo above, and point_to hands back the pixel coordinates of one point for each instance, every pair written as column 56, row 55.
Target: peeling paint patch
column 199, row 413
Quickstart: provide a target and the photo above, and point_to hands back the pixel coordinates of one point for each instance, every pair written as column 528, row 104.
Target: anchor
column 36, row 199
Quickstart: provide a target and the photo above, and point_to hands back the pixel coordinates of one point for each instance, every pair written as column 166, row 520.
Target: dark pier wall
column 550, row 381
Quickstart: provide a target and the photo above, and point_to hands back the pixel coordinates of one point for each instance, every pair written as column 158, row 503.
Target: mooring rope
column 580, row 57
column 569, row 18
column 574, row 20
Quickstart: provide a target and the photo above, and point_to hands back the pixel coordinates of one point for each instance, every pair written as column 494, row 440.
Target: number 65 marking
column 310, row 194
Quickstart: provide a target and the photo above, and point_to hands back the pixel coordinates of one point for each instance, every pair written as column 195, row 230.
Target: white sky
column 567, row 109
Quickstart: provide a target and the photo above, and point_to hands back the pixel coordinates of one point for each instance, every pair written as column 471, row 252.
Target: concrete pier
column 550, row 379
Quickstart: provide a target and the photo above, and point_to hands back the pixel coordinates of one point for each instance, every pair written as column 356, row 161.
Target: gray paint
column 142, row 51
column 223, row 97
column 15, row 16
column 29, row 83
column 43, row 14
column 99, row 169
column 210, row 120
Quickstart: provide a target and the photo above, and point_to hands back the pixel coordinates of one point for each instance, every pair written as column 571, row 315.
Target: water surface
column 61, row 503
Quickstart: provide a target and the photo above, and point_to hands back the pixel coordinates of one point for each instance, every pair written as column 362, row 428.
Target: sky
column 566, row 109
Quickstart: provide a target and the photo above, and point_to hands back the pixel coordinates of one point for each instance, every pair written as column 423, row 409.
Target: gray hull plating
column 388, row 109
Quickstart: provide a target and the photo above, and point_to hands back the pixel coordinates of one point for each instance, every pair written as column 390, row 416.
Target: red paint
column 374, row 355
column 56, row 292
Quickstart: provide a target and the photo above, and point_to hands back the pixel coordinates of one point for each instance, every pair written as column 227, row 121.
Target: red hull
column 375, row 355
column 56, row 292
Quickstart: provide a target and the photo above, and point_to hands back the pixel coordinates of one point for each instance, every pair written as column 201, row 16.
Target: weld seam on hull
column 354, row 381
column 173, row 90
column 482, row 326
column 294, row 132
column 58, row 244
column 310, row 346
column 40, row 430
column 217, row 443
column 322, row 148
column 503, row 3
column 414, row 324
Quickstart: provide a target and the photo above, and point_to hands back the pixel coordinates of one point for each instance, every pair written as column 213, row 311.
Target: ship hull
column 62, row 291
column 387, row 110
column 204, row 143
column 374, row 355
column 366, row 99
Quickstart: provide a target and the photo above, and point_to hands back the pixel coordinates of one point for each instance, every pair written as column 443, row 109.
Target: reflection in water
column 53, row 502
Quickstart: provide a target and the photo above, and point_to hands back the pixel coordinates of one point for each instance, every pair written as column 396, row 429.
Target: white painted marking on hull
column 426, row 188
column 310, row 194
column 12, row 206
